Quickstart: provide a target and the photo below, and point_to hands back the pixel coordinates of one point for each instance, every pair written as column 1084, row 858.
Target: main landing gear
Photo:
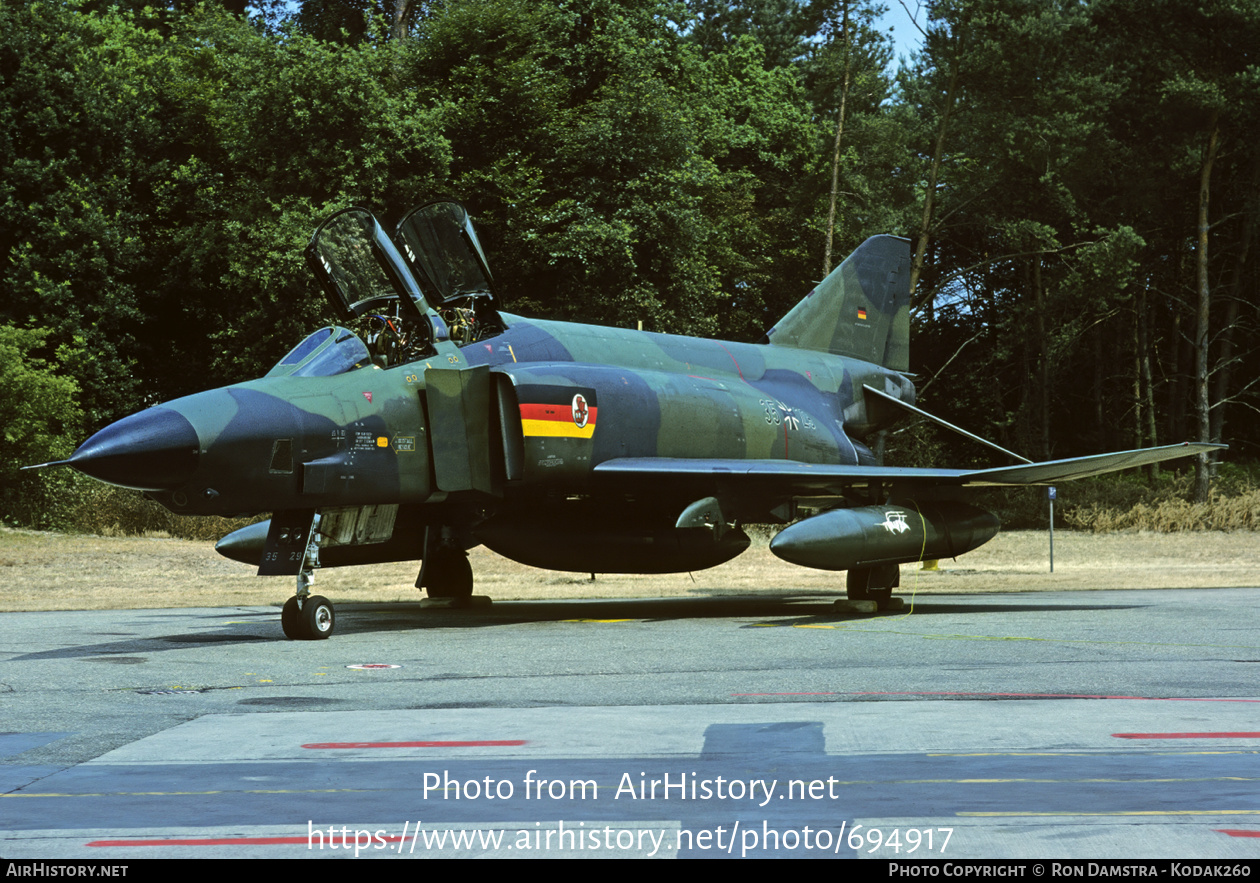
column 445, row 571
column 873, row 584
column 447, row 574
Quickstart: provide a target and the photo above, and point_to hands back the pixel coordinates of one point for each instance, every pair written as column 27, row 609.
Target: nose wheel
column 309, row 620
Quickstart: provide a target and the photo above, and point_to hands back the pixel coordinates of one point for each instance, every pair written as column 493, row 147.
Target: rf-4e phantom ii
column 444, row 423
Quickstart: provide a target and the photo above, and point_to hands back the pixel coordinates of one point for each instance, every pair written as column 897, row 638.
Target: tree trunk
column 1043, row 360
column 1177, row 388
column 402, row 12
column 925, row 227
column 1202, row 473
column 1146, row 391
column 835, row 161
column 1137, row 376
column 1101, row 424
column 1223, row 367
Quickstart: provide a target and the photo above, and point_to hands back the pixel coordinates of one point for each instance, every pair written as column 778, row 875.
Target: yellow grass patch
column 50, row 571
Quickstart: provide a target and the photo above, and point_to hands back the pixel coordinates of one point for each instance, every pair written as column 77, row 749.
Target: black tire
column 450, row 575
column 873, row 583
column 318, row 617
column 291, row 620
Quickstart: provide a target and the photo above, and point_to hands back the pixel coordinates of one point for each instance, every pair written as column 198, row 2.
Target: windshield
column 328, row 351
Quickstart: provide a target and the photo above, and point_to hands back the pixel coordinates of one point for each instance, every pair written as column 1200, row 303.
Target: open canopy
column 442, row 249
column 360, row 269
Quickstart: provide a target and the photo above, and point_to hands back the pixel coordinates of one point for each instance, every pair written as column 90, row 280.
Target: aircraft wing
column 818, row 479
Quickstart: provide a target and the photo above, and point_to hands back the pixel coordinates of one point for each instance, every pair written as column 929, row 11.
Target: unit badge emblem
column 895, row 522
column 580, row 412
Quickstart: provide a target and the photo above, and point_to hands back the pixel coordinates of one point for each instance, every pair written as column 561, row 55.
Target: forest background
column 1080, row 181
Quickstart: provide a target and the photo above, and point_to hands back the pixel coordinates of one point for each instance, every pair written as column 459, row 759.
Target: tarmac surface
column 1119, row 724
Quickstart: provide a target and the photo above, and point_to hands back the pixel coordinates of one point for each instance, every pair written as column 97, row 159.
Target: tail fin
column 861, row 310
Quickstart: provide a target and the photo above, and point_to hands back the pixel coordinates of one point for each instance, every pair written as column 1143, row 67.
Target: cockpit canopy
column 359, row 267
column 434, row 258
column 443, row 251
column 426, row 284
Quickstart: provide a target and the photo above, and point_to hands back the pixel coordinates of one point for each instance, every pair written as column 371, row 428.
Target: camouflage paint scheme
column 562, row 445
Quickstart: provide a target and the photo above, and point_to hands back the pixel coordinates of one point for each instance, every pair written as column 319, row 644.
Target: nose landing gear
column 307, row 617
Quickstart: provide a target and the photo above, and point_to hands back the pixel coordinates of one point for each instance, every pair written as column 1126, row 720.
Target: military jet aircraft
column 444, row 423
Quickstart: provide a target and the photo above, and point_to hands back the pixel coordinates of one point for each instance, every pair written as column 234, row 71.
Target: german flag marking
column 573, row 420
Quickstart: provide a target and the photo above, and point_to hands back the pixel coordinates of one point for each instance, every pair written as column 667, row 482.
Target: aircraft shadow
column 792, row 609
column 262, row 626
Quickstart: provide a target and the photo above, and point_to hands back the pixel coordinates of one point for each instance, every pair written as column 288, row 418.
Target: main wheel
column 449, row 575
column 318, row 617
column 291, row 620
column 873, row 583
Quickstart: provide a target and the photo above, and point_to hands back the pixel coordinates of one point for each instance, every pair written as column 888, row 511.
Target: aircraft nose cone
column 154, row 450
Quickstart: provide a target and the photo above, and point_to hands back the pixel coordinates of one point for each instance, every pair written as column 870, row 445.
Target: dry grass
column 51, row 571
column 1240, row 512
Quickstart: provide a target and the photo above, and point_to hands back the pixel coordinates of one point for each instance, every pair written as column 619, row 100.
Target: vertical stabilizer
column 861, row 310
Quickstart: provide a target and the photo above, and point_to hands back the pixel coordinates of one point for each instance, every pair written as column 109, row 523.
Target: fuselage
column 375, row 435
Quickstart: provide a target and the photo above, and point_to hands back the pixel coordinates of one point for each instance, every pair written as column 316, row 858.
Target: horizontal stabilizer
column 879, row 394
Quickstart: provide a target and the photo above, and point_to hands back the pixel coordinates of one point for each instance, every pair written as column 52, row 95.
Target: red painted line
column 1028, row 695
column 1186, row 735
column 492, row 743
column 737, row 368
column 1234, row 832
column 1005, row 695
column 563, row 413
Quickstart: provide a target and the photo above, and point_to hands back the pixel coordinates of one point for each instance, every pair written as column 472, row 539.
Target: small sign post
column 1051, row 493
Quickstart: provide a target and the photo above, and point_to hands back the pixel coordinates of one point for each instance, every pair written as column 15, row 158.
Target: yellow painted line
column 597, row 620
column 859, row 627
column 556, row 429
column 847, row 783
column 1055, row 640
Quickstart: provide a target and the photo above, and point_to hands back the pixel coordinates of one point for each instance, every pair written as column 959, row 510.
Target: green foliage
column 619, row 175
column 100, row 509
column 1119, row 502
column 629, row 160
column 39, row 422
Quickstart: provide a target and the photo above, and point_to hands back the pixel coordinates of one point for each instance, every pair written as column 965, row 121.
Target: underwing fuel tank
column 586, row 539
column 844, row 539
